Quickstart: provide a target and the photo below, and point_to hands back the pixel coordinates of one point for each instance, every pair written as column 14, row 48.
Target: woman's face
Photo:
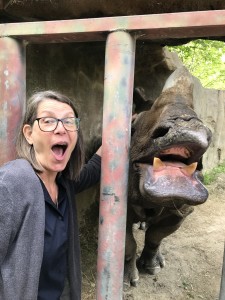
column 52, row 149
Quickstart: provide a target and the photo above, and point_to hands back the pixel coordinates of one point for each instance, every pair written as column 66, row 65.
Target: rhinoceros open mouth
column 175, row 157
column 169, row 178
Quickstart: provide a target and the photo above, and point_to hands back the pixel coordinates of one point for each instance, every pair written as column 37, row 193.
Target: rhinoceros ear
column 140, row 101
column 181, row 80
column 135, row 118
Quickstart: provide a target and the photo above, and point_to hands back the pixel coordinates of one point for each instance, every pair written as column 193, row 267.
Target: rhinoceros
column 165, row 178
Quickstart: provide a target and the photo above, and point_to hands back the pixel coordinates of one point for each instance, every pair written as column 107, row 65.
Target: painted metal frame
column 12, row 93
column 157, row 26
column 120, row 34
column 117, row 113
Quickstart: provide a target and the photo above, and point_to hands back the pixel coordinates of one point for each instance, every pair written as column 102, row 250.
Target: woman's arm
column 99, row 151
column 90, row 174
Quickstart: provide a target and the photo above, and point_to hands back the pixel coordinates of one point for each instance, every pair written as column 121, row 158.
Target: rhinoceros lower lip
column 168, row 182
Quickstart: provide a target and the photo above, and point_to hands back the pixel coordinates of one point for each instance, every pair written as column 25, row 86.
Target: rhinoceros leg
column 131, row 276
column 151, row 259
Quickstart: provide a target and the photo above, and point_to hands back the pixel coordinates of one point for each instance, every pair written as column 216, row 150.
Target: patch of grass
column 212, row 175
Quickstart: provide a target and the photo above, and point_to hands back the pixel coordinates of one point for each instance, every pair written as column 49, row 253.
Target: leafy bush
column 212, row 175
column 205, row 59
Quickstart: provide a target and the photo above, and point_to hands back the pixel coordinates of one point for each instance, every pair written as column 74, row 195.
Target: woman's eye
column 68, row 121
column 49, row 121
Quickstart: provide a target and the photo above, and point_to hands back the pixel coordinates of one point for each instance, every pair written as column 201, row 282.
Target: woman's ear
column 27, row 131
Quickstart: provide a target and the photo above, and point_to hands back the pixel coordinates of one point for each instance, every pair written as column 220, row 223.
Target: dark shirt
column 89, row 176
column 54, row 264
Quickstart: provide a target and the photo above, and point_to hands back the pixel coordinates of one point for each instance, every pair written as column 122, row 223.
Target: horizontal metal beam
column 157, row 26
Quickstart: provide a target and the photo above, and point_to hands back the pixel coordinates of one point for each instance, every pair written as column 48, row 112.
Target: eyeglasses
column 50, row 123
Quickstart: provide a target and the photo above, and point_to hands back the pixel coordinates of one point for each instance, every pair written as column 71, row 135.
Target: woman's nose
column 60, row 127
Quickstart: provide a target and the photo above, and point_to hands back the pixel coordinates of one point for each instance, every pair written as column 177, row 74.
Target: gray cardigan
column 22, row 225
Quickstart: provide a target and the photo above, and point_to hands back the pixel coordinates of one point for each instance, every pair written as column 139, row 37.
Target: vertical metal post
column 222, row 283
column 12, row 94
column 117, row 111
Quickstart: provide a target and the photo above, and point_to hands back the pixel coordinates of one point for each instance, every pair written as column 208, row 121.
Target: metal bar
column 12, row 91
column 117, row 110
column 222, row 283
column 172, row 25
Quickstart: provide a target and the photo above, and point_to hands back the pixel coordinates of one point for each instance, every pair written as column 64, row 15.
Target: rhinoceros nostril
column 160, row 132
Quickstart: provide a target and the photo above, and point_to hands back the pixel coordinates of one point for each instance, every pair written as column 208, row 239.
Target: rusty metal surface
column 222, row 283
column 117, row 109
column 73, row 9
column 117, row 105
column 12, row 91
column 154, row 27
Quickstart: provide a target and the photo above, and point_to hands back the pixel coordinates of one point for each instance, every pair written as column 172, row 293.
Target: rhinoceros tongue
column 165, row 182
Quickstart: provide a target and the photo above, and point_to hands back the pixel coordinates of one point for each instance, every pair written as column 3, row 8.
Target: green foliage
column 205, row 59
column 212, row 175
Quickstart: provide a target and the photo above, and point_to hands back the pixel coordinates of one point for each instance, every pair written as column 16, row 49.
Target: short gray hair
column 26, row 151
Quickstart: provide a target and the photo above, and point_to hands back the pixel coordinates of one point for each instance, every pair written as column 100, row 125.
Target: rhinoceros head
column 167, row 145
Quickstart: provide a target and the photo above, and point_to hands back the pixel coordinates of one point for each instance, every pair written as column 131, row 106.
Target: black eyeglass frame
column 61, row 120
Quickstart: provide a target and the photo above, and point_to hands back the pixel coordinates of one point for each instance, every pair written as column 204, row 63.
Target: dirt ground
column 193, row 254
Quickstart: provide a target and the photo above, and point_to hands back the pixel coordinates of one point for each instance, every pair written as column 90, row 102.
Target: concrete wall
column 210, row 106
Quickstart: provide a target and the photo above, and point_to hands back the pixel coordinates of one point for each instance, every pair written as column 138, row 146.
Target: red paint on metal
column 117, row 110
column 12, row 91
column 158, row 26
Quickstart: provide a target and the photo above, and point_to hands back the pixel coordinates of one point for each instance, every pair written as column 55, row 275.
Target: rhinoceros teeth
column 158, row 164
column 189, row 170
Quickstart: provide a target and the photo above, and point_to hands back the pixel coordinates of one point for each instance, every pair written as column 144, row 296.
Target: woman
column 39, row 244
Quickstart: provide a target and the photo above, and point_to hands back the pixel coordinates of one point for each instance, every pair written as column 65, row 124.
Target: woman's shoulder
column 19, row 168
column 17, row 177
column 19, row 163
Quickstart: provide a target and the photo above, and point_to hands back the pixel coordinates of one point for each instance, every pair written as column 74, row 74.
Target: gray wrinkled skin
column 162, row 196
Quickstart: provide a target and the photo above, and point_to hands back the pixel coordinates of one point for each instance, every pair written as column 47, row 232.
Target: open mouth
column 176, row 156
column 171, row 176
column 59, row 149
